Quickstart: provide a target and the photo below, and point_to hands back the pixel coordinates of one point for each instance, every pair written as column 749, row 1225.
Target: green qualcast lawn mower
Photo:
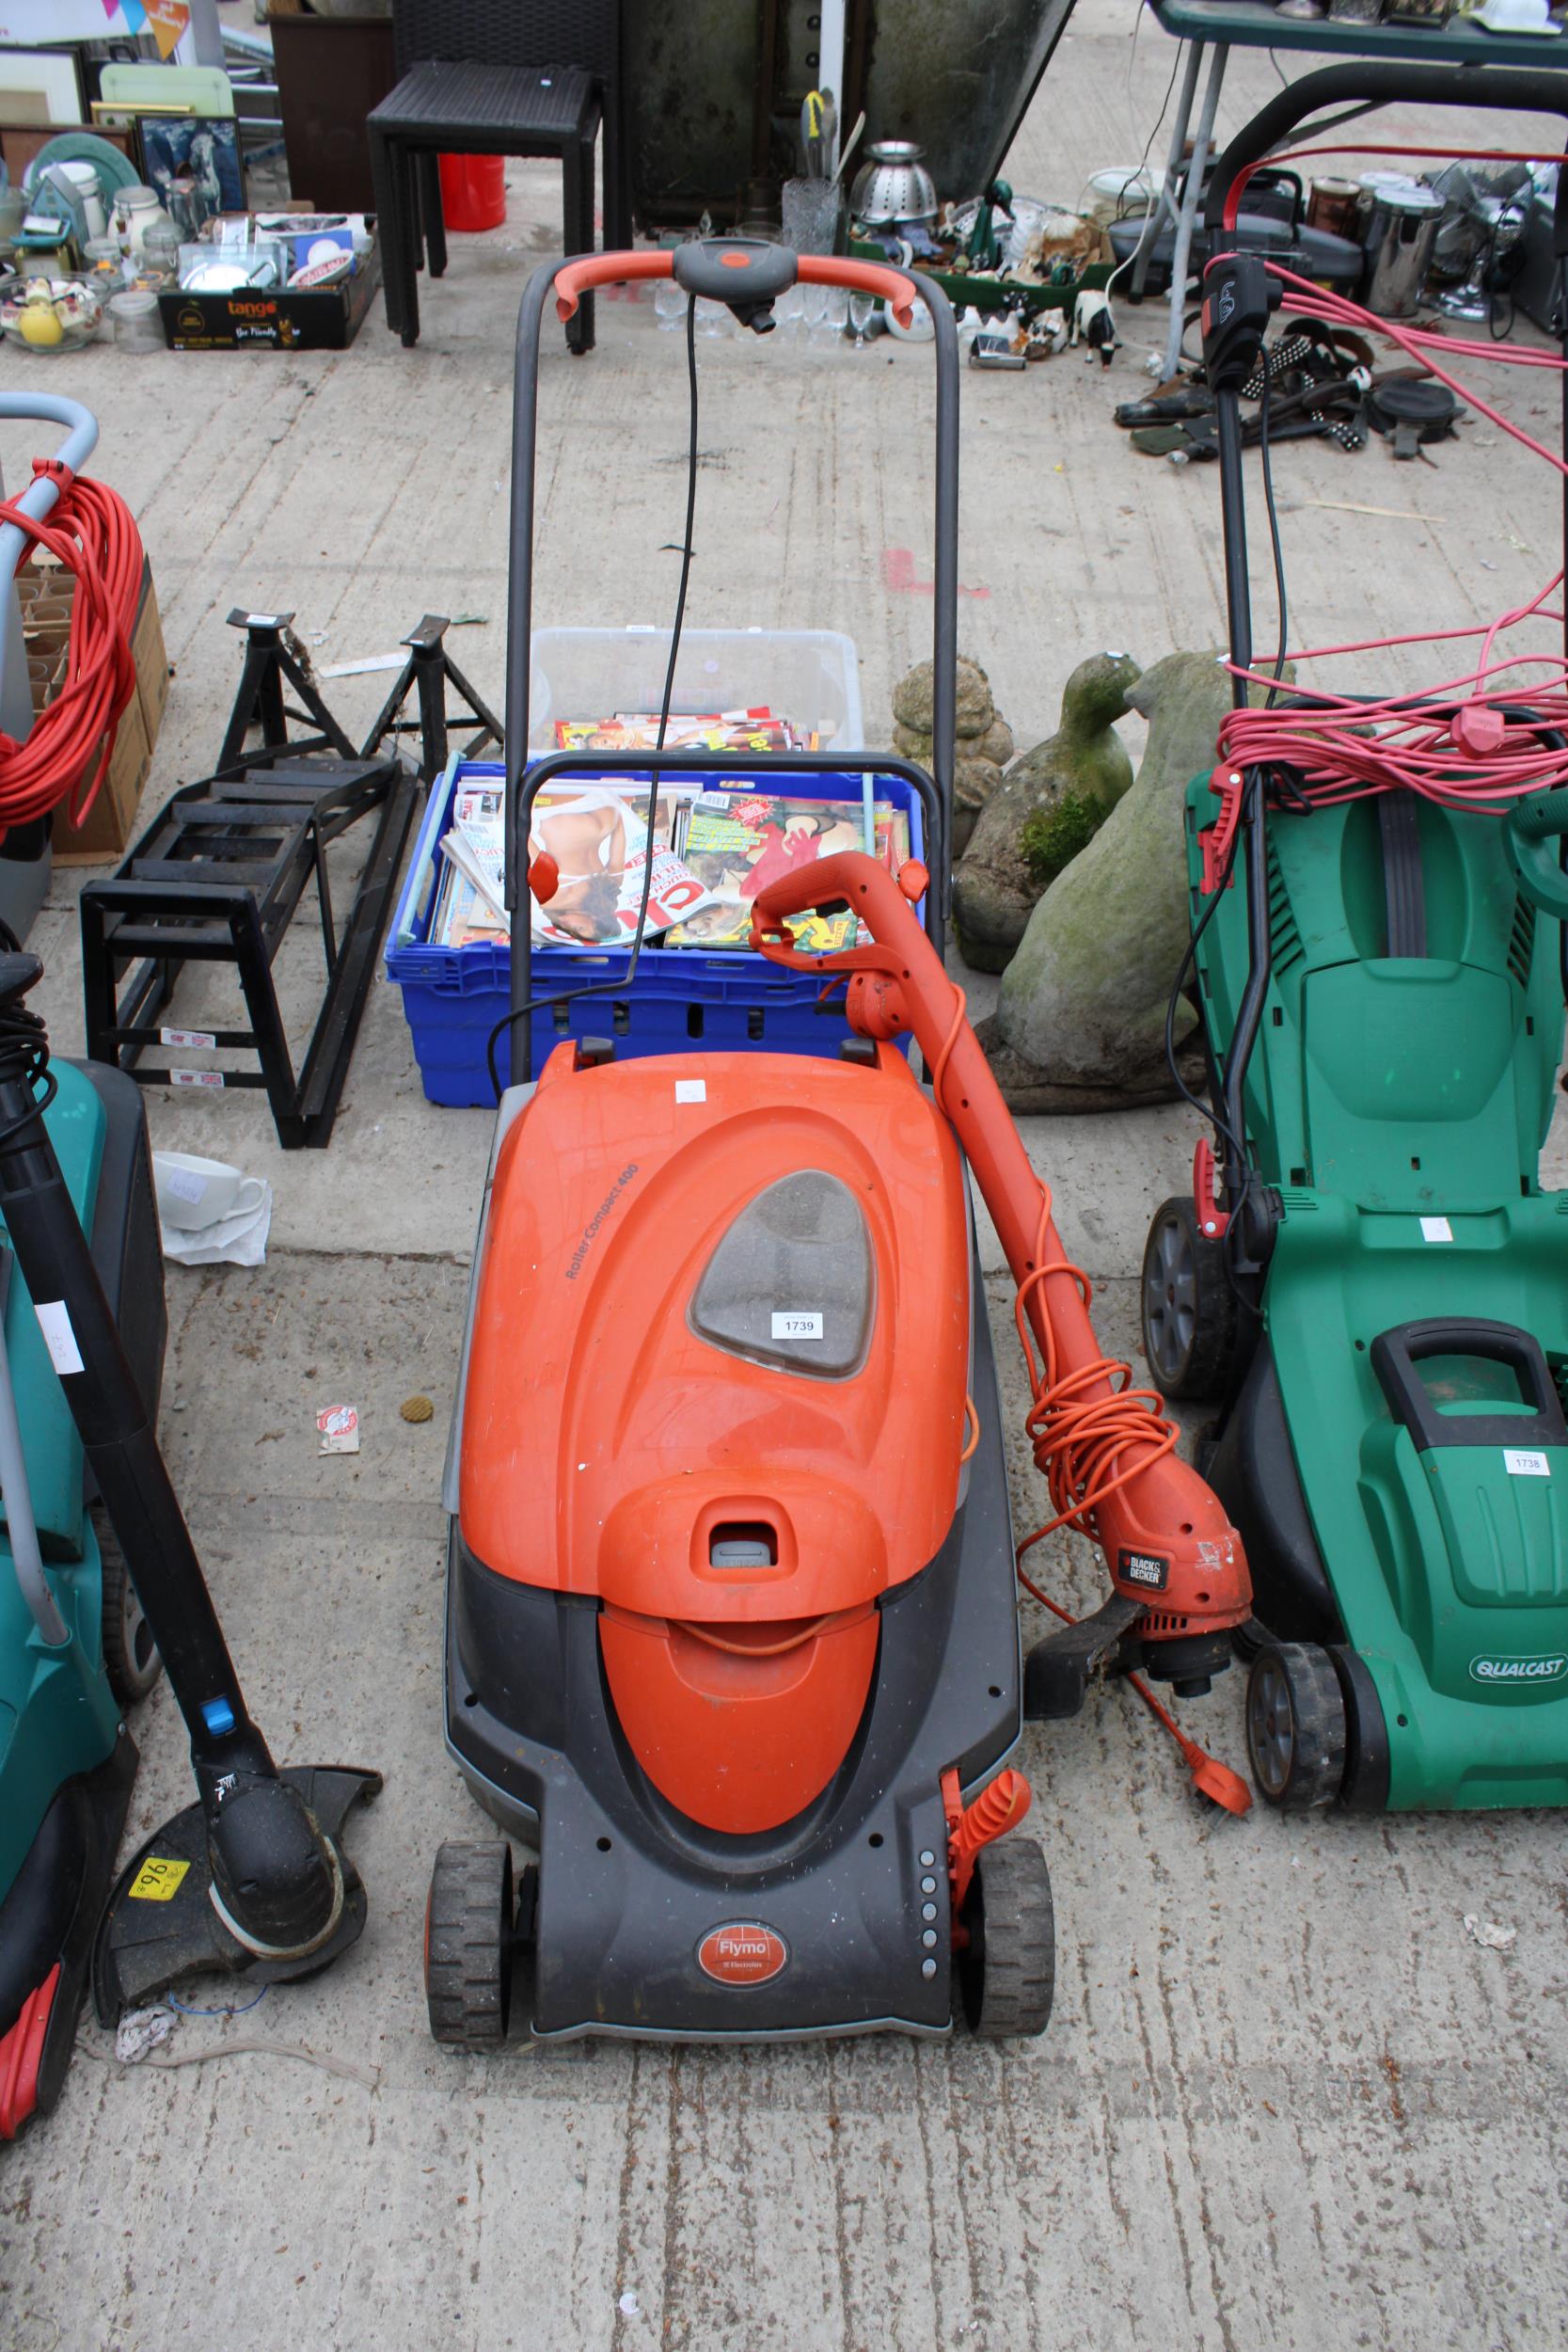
column 1371, row 1275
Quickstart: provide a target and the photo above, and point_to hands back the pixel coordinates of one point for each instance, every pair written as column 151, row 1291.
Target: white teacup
column 193, row 1193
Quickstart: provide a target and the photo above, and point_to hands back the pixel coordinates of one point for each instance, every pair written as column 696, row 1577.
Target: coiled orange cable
column 1081, row 1448
column 1085, row 1448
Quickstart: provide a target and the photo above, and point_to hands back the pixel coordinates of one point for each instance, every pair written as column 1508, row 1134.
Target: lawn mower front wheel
column 1007, row 1970
column 469, row 1943
column 1296, row 1725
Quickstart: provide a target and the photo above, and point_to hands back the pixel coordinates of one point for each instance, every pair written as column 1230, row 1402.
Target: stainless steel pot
column 893, row 184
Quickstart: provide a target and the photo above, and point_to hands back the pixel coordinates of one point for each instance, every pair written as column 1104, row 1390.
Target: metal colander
column 893, row 184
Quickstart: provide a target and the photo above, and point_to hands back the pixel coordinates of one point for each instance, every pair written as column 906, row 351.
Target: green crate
column 997, row 294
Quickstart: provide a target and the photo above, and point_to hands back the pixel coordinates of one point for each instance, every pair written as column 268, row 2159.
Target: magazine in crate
column 713, row 849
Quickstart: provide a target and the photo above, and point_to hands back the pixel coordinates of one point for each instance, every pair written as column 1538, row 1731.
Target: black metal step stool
column 217, row 879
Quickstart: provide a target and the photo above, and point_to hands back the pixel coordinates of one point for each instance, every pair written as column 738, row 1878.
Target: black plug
column 1238, row 295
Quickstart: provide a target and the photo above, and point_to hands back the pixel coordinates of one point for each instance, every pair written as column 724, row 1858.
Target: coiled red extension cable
column 1487, row 752
column 92, row 535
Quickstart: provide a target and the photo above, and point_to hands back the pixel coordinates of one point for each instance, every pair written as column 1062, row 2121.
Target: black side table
column 476, row 110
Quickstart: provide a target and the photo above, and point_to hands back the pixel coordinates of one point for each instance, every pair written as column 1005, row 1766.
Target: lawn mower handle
column 1510, row 90
column 1165, row 1537
column 39, row 499
column 718, row 267
column 1532, row 836
column 945, row 548
column 1543, row 814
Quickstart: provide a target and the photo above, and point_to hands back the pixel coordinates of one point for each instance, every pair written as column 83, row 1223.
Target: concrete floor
column 1285, row 2100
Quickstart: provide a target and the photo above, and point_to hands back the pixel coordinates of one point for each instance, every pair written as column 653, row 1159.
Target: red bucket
column 473, row 191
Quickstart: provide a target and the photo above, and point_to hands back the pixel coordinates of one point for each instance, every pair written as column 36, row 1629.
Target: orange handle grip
column 874, row 278
column 605, row 269
column 863, row 881
column 814, row 269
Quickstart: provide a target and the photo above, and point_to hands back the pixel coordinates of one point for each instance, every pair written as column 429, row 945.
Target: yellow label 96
column 157, row 1879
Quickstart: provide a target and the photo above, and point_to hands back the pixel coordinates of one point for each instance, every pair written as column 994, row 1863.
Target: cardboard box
column 325, row 319
column 151, row 657
column 45, row 676
column 112, row 817
column 111, row 821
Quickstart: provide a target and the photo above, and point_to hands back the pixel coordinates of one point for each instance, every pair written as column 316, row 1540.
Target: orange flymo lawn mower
column 732, row 1625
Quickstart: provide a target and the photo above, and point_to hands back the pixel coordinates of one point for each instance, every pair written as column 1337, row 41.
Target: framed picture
column 19, row 143
column 203, row 148
column 39, row 86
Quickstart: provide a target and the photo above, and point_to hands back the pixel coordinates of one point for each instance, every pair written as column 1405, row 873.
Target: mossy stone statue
column 1080, row 1022
column 982, row 743
column 1047, row 806
column 974, row 709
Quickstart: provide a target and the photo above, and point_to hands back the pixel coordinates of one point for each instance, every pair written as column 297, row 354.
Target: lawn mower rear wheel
column 1008, row 1970
column 131, row 1658
column 1189, row 1310
column 1296, row 1725
column 469, row 1943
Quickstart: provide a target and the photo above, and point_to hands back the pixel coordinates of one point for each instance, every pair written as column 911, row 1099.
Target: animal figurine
column 1093, row 322
column 983, row 249
column 1047, row 335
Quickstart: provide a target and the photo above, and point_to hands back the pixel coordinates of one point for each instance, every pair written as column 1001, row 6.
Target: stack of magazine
column 713, row 847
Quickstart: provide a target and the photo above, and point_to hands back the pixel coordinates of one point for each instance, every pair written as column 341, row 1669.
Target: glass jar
column 160, row 250
column 137, row 211
column 137, row 323
column 103, row 264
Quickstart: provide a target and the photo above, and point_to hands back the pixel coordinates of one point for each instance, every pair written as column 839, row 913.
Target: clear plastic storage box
column 810, row 677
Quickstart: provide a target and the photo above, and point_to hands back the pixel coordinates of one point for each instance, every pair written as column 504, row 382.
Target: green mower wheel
column 469, row 1943
column 1296, row 1725
column 1189, row 1310
column 1008, row 1970
column 131, row 1658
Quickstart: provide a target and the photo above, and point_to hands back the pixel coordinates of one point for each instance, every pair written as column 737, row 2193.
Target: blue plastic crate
column 729, row 1000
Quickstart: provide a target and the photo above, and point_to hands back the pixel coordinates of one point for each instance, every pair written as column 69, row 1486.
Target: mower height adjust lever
column 1227, row 784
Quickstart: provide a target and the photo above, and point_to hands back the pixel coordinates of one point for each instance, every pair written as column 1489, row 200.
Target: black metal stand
column 216, row 877
column 278, row 1884
column 275, row 660
column 274, row 655
column 428, row 672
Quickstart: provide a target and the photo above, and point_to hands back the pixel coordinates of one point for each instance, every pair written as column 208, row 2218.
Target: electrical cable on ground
column 1465, row 741
column 93, row 536
column 24, row 1049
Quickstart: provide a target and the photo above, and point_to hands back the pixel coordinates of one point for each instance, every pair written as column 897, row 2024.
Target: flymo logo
column 742, row 1951
column 1531, row 1670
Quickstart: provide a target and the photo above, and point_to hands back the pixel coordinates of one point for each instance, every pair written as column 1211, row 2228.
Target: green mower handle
column 1543, row 814
column 1532, row 832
